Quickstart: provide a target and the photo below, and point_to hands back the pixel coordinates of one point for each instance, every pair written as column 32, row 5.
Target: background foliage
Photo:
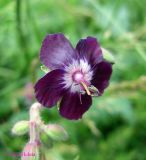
column 115, row 126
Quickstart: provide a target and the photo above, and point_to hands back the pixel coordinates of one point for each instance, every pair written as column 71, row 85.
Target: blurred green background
column 115, row 126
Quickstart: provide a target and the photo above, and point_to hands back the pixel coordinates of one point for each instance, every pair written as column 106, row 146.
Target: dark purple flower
column 77, row 74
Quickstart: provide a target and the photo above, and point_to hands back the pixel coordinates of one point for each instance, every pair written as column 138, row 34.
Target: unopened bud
column 31, row 151
column 56, row 132
column 46, row 140
column 107, row 55
column 20, row 128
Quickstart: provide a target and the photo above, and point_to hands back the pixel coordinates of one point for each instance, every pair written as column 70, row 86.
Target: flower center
column 78, row 76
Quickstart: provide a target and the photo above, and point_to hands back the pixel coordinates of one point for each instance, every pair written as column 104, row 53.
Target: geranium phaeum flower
column 76, row 74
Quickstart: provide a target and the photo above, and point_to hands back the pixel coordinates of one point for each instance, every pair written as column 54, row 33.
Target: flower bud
column 31, row 151
column 20, row 128
column 107, row 55
column 56, row 132
column 46, row 140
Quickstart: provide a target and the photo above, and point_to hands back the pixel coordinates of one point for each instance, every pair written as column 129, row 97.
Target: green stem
column 21, row 38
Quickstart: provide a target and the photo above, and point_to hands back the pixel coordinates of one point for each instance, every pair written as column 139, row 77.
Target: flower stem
column 34, row 146
column 35, row 121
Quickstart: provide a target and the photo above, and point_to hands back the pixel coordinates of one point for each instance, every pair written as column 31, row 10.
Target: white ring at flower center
column 76, row 72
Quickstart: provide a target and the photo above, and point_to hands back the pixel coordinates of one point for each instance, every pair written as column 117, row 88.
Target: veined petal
column 49, row 89
column 56, row 51
column 101, row 75
column 89, row 48
column 71, row 106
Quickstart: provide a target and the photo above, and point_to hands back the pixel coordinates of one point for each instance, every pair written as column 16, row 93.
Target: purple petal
column 56, row 51
column 71, row 106
column 89, row 48
column 102, row 74
column 49, row 89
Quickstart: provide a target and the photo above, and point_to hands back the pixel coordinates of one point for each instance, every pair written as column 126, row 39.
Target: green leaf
column 108, row 55
column 44, row 69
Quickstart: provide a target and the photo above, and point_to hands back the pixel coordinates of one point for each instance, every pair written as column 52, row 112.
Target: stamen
column 86, row 88
column 82, row 92
column 80, row 98
column 95, row 92
column 93, row 89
